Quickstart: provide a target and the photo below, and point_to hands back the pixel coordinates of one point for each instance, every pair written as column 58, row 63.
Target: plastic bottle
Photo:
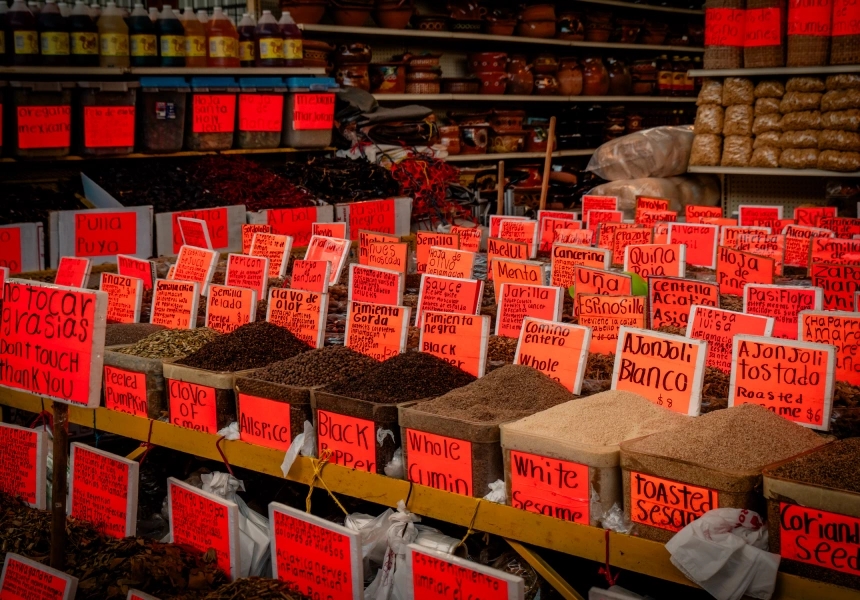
column 678, row 73
column 143, row 43
column 4, row 53
column 83, row 37
column 95, row 11
column 53, row 35
column 171, row 38
column 223, row 41
column 664, row 76
column 689, row 84
column 23, row 37
column 268, row 42
column 203, row 17
column 246, row 41
column 123, row 8
column 34, row 7
column 195, row 39
column 293, row 56
column 153, row 14
column 113, row 38
column 65, row 9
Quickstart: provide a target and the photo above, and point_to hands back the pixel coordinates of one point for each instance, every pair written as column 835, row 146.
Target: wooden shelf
column 773, row 172
column 482, row 37
column 74, row 72
column 418, row 98
column 786, row 71
column 516, row 155
column 625, row 552
column 637, row 6
column 183, row 154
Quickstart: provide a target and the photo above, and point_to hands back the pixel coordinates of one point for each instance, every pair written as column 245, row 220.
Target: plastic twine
column 319, row 464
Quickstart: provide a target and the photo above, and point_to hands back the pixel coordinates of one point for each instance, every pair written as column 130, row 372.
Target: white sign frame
column 583, row 357
column 557, row 309
column 133, row 481
column 485, row 338
column 195, row 307
column 71, row 581
column 62, row 233
column 401, row 281
column 32, row 245
column 236, row 217
column 41, row 464
column 516, row 585
column 337, row 270
column 138, row 300
column 253, row 315
column 418, row 310
column 682, row 251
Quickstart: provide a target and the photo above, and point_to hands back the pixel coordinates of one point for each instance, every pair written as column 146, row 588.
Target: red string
column 223, row 456
column 46, row 418
column 149, row 446
column 605, row 570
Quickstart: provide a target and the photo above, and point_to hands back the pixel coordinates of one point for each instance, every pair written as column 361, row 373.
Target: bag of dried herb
column 171, row 343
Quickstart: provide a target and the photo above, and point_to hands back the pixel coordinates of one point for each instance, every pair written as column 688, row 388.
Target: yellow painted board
column 625, row 552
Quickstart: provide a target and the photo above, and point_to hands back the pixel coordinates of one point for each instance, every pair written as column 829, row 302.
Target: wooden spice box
column 450, row 454
column 362, row 435
column 133, row 384
column 273, row 413
column 810, row 526
column 199, row 399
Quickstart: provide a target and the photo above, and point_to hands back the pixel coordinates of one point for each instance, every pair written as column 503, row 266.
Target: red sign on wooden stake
column 103, row 490
column 23, row 464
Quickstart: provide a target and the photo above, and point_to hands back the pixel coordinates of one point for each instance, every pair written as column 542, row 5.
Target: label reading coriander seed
column 820, row 538
column 667, row 504
column 551, row 487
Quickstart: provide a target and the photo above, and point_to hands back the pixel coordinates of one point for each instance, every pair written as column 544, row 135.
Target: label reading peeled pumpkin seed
column 271, row 48
column 195, row 45
column 84, row 42
column 26, row 42
column 222, row 47
column 114, row 44
column 293, row 49
column 144, row 45
column 55, row 43
column 173, row 45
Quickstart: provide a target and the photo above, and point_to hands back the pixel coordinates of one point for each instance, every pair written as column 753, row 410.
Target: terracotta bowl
column 536, row 29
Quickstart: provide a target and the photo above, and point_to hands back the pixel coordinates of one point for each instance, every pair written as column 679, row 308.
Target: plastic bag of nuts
column 804, row 84
column 765, row 156
column 711, row 92
column 768, row 138
column 766, row 123
column 769, row 89
column 737, row 90
column 805, row 138
column 843, row 120
column 843, row 81
column 737, row 150
column 799, row 158
column 766, row 106
column 833, row 160
column 738, row 120
column 709, row 119
column 841, row 99
column 799, row 101
column 810, row 119
column 844, row 141
column 706, row 150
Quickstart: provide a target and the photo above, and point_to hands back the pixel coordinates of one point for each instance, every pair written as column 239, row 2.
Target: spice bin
column 161, row 113
column 134, row 374
column 309, row 112
column 261, row 112
column 199, row 399
column 813, row 505
column 42, row 118
column 107, row 117
column 297, row 398
column 211, row 119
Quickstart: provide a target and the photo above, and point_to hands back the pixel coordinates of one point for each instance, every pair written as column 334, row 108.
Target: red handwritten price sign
column 647, row 203
column 831, row 250
column 389, row 255
column 496, row 223
column 425, row 240
column 379, row 286
column 840, row 330
column 516, row 271
column 350, row 440
column 374, row 215
column 196, row 265
column 700, row 242
column 729, row 234
column 73, row 272
column 793, row 379
column 693, row 212
column 748, row 213
column 98, row 233
column 605, row 315
column 590, row 202
column 175, row 303
column 606, row 233
column 214, row 113
column 516, row 302
column 551, row 220
column 52, row 341
column 805, row 536
column 248, row 231
column 264, row 422
column 450, row 295
column 574, row 237
column 451, row 263
column 250, row 272
column 202, row 521
column 797, row 243
column 735, row 269
column 661, row 232
column 217, row 222
column 459, row 339
column 366, row 238
column 125, row 391
column 666, row 369
column 294, row 222
column 655, row 259
column 811, row 215
column 506, row 250
column 301, row 312
column 44, row 127
column 261, row 112
column 775, row 225
column 274, row 247
column 634, row 236
column 597, row 281
column 670, row 300
column 124, row 297
column 25, row 579
column 718, row 221
column 719, row 327
column 782, row 302
column 548, row 486
column 470, row 237
column 228, row 308
column 668, row 504
column 315, row 556
column 192, row 406
column 564, row 258
column 650, row 218
column 333, row 250
column 558, row 350
column 435, row 575
column 596, row 218
column 843, row 227
column 839, row 282
column 135, row 267
column 770, row 246
column 440, row 462
column 311, row 275
column 23, row 464
column 194, row 232
column 103, row 490
column 377, row 330
column 522, row 231
column 313, row 111
column 332, row 230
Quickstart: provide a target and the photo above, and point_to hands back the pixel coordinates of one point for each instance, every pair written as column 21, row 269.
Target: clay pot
column 507, row 119
column 349, row 54
column 432, row 23
column 536, row 137
column 546, row 85
column 569, row 77
column 350, row 15
column 497, row 26
column 536, row 29
column 620, row 80
column 597, row 34
column 464, row 10
column 354, row 75
column 538, row 12
column 505, row 141
column 595, row 77
column 309, row 13
column 474, row 138
column 388, row 78
column 393, row 15
column 545, row 63
column 493, row 83
column 487, row 62
column 521, row 81
column 570, row 26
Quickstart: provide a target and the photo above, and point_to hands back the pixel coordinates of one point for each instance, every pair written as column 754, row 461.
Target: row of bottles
column 53, row 35
column 673, row 78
